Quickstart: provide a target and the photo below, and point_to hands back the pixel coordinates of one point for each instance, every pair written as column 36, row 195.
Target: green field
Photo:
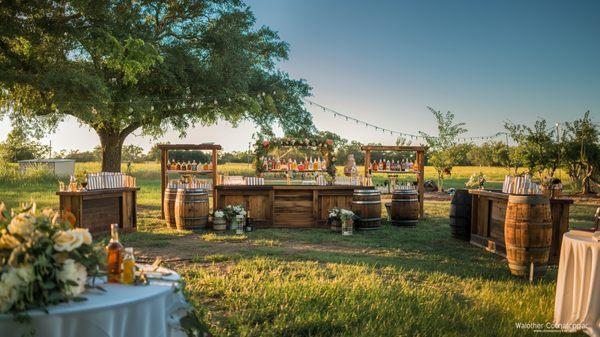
column 391, row 282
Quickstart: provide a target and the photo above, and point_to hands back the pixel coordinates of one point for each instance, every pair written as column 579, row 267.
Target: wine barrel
column 169, row 206
column 528, row 234
column 405, row 208
column 460, row 215
column 191, row 208
column 367, row 205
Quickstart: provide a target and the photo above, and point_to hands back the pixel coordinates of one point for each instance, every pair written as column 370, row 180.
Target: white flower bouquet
column 340, row 214
column 44, row 260
column 477, row 179
column 219, row 214
column 231, row 211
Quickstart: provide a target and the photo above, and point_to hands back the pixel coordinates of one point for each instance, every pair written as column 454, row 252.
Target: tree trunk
column 111, row 144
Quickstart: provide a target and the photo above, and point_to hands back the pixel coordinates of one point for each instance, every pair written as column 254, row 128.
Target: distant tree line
column 539, row 150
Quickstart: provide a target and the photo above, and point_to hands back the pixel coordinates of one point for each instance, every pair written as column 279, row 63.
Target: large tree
column 120, row 66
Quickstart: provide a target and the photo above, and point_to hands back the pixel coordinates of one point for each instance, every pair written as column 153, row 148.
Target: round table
column 123, row 310
column 577, row 303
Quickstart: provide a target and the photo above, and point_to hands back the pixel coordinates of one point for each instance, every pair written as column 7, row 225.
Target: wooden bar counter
column 488, row 211
column 97, row 209
column 287, row 206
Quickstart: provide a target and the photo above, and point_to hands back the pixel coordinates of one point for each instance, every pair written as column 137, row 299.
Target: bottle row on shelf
column 392, row 165
column 188, row 166
column 308, row 164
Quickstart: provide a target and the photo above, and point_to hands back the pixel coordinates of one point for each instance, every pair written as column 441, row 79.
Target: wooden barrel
column 405, row 208
column 528, row 234
column 460, row 215
column 169, row 206
column 367, row 205
column 191, row 208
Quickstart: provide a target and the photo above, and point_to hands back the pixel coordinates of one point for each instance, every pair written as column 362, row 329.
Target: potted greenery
column 234, row 215
column 341, row 220
column 219, row 222
column 334, row 220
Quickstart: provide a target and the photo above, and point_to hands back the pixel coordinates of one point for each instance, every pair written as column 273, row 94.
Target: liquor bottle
column 128, row 267
column 381, row 165
column 294, row 165
column 374, row 166
column 388, row 164
column 205, row 167
column 316, row 165
column 189, row 166
column 114, row 253
column 178, row 166
column 194, row 165
column 324, row 165
column 168, row 165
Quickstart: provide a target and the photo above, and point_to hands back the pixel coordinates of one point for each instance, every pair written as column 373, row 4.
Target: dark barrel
column 460, row 215
column 367, row 205
column 191, row 208
column 528, row 234
column 405, row 208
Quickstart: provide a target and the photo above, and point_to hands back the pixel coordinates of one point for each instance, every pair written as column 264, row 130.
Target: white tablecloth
column 577, row 302
column 123, row 311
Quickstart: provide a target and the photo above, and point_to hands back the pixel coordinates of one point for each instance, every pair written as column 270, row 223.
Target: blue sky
column 385, row 61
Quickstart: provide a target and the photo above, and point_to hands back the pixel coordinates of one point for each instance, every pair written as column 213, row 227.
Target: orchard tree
column 442, row 147
column 539, row 146
column 119, row 66
column 582, row 152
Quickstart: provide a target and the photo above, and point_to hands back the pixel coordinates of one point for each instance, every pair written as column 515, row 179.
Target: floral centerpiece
column 477, row 179
column 219, row 223
column 44, row 260
column 341, row 220
column 233, row 213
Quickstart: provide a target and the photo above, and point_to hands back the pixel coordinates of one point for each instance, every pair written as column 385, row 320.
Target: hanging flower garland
column 325, row 146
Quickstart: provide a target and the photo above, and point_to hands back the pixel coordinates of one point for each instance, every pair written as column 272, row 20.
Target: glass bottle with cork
column 114, row 252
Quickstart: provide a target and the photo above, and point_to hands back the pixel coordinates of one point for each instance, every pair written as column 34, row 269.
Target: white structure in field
column 60, row 167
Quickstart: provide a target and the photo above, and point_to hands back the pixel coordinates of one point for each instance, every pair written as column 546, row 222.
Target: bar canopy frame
column 419, row 162
column 164, row 157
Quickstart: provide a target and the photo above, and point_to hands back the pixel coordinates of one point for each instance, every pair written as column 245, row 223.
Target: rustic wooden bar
column 488, row 212
column 287, row 206
column 97, row 209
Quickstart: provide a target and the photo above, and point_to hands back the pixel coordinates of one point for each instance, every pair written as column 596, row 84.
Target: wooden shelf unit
column 419, row 162
column 164, row 173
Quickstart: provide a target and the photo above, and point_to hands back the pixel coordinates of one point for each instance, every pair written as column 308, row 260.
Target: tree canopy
column 120, row 66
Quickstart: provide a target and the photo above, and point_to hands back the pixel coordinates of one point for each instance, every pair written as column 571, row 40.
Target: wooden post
column 164, row 157
column 421, row 182
column 367, row 162
column 214, row 173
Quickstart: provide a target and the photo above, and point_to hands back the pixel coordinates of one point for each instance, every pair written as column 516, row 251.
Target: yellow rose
column 22, row 224
column 85, row 234
column 8, row 241
column 66, row 241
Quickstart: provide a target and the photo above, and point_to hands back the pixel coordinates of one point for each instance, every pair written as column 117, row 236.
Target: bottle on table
column 114, row 253
column 194, row 165
column 315, row 165
column 128, row 276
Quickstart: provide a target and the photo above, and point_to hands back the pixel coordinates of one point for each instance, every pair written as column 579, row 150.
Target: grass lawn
column 390, row 282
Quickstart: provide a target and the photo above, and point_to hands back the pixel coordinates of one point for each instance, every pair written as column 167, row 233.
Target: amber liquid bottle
column 114, row 252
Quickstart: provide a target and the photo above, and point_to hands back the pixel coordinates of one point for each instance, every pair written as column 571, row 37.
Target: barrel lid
column 367, row 192
column 193, row 190
column 405, row 192
column 534, row 199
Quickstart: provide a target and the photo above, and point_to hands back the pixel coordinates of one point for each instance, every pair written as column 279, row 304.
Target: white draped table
column 123, row 311
column 577, row 304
